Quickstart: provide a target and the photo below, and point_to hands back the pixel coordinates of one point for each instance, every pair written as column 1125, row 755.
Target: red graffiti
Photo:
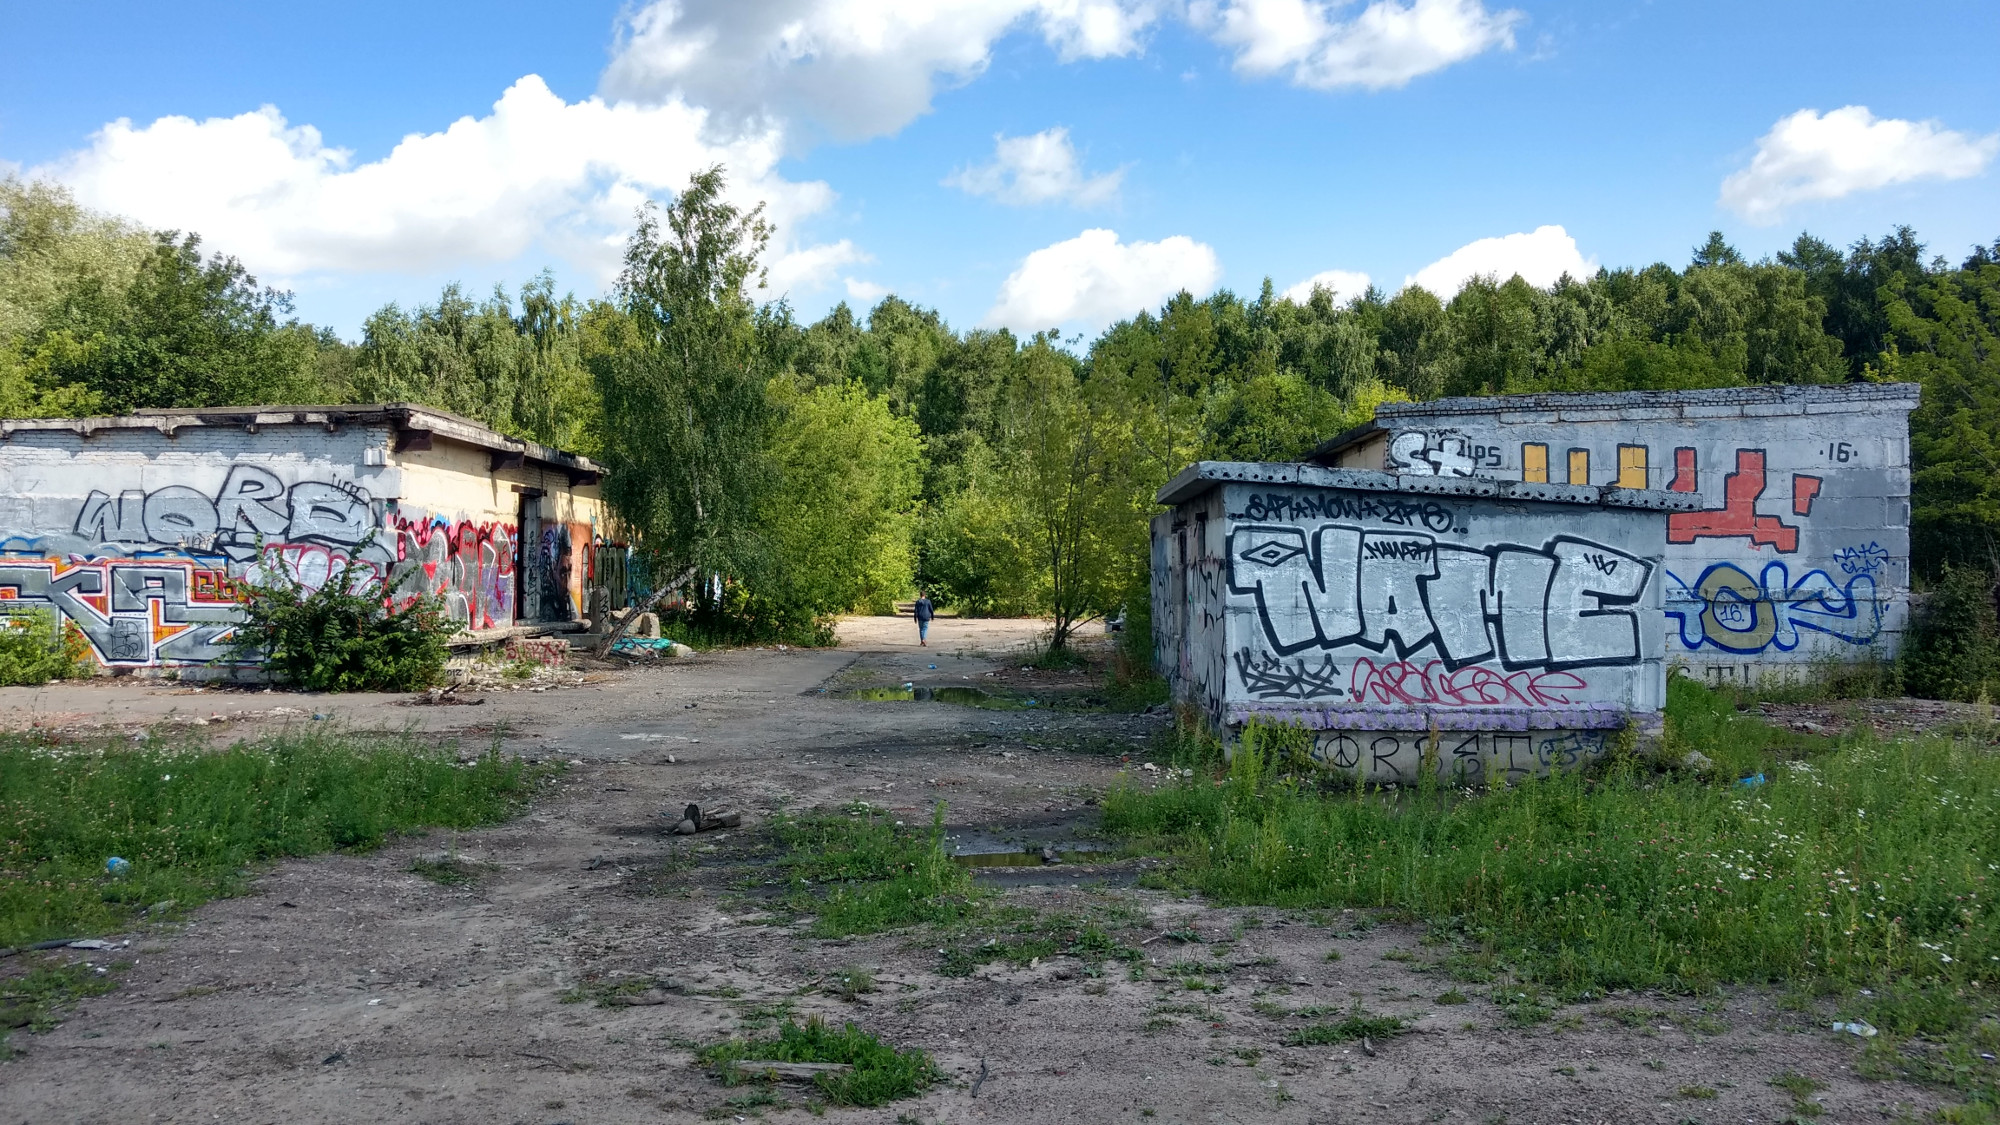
column 1432, row 683
column 1738, row 515
column 469, row 565
column 1805, row 490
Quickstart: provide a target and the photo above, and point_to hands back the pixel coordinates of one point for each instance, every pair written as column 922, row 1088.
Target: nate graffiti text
column 1562, row 605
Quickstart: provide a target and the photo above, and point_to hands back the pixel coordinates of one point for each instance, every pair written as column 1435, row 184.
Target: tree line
column 807, row 469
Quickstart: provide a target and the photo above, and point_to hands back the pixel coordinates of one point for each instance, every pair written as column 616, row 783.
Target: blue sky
column 1032, row 163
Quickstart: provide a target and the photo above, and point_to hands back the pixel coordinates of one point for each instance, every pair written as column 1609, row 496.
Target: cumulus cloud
column 855, row 68
column 1093, row 279
column 1344, row 284
column 1541, row 257
column 1386, row 44
column 1809, row 156
column 865, row 292
column 1042, row 168
column 537, row 171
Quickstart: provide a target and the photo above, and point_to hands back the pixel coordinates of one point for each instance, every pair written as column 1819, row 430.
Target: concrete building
column 137, row 529
column 1800, row 547
column 1502, row 628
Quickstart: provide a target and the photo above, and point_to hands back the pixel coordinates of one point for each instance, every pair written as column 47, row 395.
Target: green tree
column 838, row 521
column 686, row 418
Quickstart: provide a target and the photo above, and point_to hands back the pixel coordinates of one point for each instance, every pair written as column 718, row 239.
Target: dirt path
column 345, row 989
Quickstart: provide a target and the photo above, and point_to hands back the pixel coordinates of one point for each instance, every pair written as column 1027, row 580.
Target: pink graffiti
column 1405, row 681
column 470, row 565
column 311, row 565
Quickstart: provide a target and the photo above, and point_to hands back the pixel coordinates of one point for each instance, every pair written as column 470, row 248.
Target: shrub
column 1953, row 647
column 34, row 649
column 342, row 636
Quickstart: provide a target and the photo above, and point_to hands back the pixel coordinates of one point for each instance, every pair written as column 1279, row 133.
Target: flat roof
column 1204, row 475
column 406, row 418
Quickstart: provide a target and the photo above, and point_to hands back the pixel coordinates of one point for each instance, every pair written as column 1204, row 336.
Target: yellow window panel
column 1579, row 466
column 1631, row 466
column 1534, row 462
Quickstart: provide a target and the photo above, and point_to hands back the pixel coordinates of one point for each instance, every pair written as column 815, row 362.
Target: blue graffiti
column 1727, row 609
column 1861, row 560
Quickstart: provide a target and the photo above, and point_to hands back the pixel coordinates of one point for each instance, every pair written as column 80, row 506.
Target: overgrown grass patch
column 857, row 871
column 1854, row 864
column 880, row 1073
column 1019, row 938
column 1356, row 1025
column 191, row 821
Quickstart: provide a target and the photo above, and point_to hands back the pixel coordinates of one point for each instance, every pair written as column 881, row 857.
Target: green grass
column 881, row 1073
column 1858, row 863
column 858, row 872
column 1359, row 1025
column 192, row 820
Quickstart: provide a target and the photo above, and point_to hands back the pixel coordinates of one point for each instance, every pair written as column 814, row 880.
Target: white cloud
column 1541, row 257
column 1387, row 44
column 1041, row 168
column 1807, row 156
column 865, row 292
column 1093, row 279
column 1345, row 285
column 811, row 267
column 536, row 172
column 856, row 68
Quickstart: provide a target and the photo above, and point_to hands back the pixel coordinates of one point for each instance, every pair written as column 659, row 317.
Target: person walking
column 923, row 613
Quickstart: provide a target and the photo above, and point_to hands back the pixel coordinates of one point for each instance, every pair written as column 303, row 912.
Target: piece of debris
column 1050, row 855
column 1367, row 1048
column 981, row 1080
column 1862, row 1028
column 1697, row 761
column 92, row 943
column 693, row 820
column 789, row 1071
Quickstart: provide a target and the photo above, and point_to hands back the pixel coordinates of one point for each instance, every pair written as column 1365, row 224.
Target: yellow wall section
column 1579, row 466
column 1534, row 462
column 1631, row 466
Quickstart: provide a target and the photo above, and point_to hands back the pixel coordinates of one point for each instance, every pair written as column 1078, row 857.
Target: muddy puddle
column 961, row 696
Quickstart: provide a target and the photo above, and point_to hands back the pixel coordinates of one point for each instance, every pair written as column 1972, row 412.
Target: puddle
column 962, row 696
column 1023, row 857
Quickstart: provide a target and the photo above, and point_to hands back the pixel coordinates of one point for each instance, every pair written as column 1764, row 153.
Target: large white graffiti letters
column 252, row 505
column 1562, row 605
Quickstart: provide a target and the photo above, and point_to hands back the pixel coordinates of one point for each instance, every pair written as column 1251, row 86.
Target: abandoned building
column 1493, row 628
column 1799, row 549
column 139, row 529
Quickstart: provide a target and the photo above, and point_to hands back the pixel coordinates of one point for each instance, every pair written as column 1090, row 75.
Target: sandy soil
column 346, row 989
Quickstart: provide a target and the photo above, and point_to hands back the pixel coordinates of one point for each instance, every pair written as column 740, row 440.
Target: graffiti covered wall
column 1800, row 549
column 141, row 533
column 1495, row 629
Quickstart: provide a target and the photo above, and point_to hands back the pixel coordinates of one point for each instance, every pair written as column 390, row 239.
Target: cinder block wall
column 1498, row 629
column 1800, row 551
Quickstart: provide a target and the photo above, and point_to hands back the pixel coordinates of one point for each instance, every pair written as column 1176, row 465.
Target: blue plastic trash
column 1751, row 782
column 117, row 865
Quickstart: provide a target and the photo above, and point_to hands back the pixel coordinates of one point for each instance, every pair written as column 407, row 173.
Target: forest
column 834, row 466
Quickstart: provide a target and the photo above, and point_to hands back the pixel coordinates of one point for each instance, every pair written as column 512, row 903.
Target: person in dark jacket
column 923, row 613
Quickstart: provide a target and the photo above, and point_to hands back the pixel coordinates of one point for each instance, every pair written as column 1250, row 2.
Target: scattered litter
column 671, row 760
column 1751, row 782
column 933, row 667
column 1862, row 1028
column 333, row 1058
column 1367, row 1048
column 375, row 1001
column 1150, row 768
column 981, row 1080
column 92, row 943
column 117, row 866
column 644, row 646
column 317, row 716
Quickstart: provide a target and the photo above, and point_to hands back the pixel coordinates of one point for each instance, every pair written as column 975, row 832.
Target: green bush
column 881, row 1073
column 342, row 636
column 34, row 649
column 1953, row 647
